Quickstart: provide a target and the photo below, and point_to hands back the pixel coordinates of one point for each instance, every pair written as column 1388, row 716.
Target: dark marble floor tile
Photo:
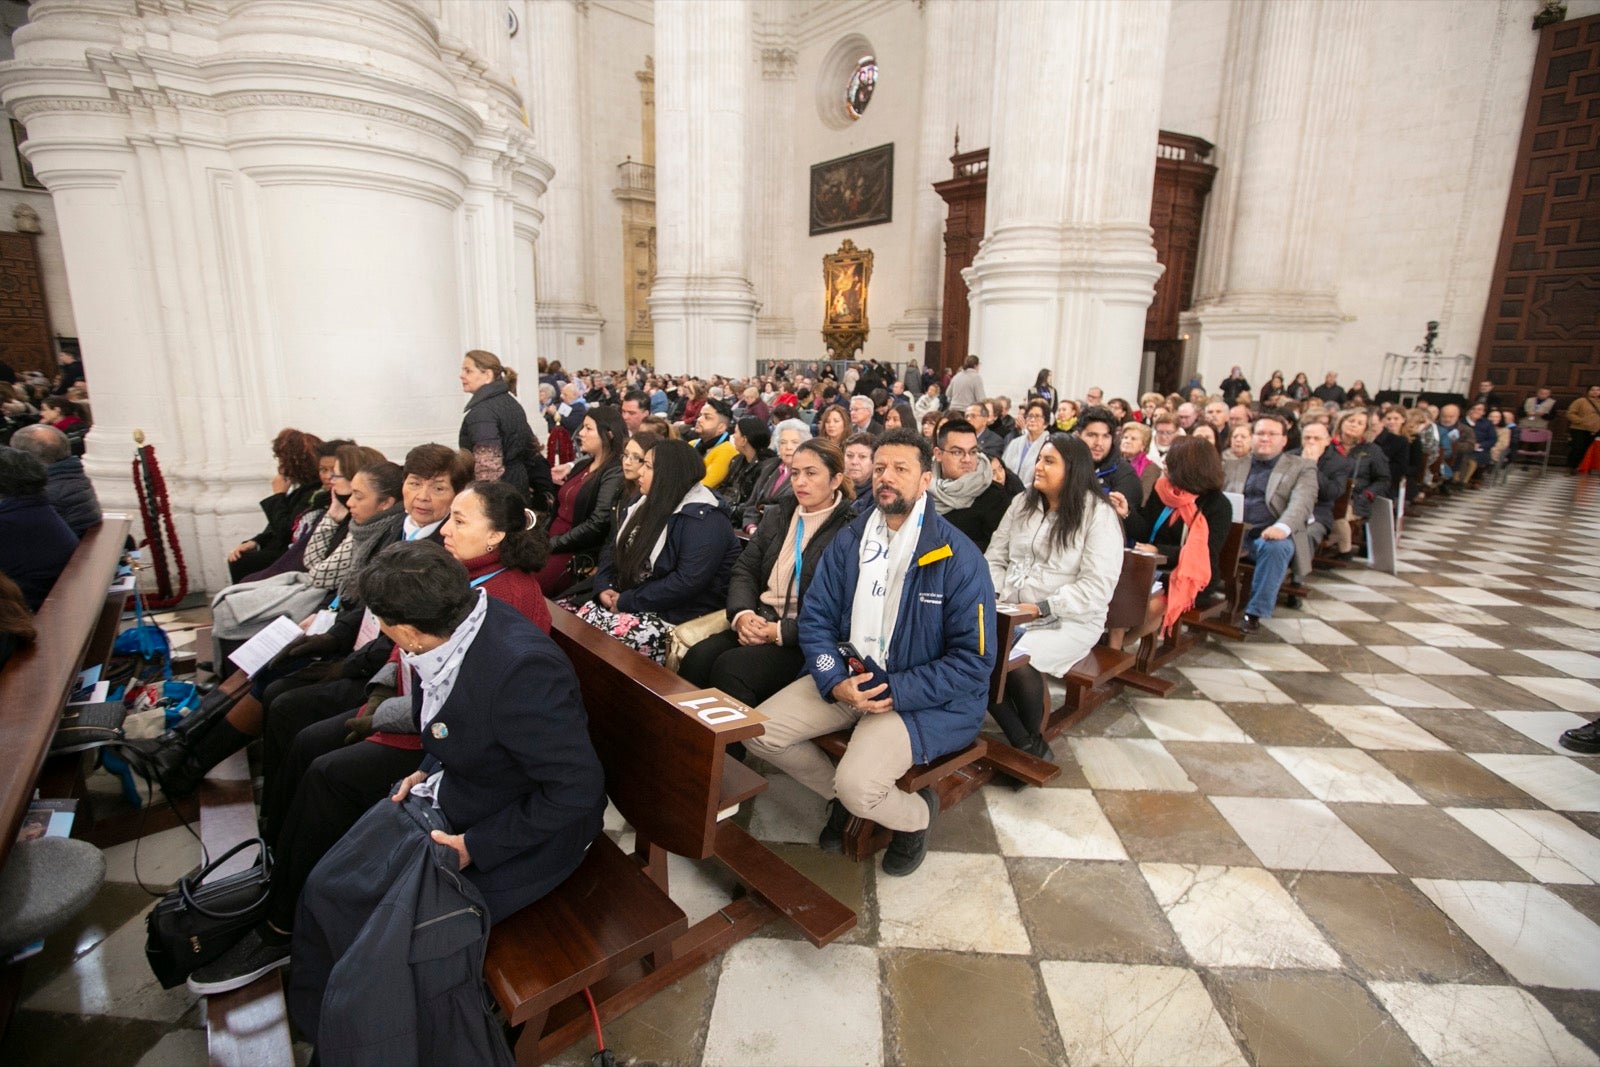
column 1452, row 780
column 1092, row 911
column 1314, row 687
column 1576, row 1009
column 668, row 1030
column 1381, row 633
column 1586, row 898
column 1173, row 828
column 966, row 828
column 1492, row 694
column 1297, row 1018
column 1389, row 930
column 1234, row 770
column 1424, row 842
column 1503, row 662
column 45, row 1039
column 1285, row 724
column 843, row 879
column 1473, row 731
column 960, row 1008
column 111, row 908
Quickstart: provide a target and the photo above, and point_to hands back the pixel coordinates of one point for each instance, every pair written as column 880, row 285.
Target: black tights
column 1021, row 709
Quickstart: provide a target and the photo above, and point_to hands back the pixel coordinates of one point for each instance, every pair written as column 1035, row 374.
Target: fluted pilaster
column 778, row 206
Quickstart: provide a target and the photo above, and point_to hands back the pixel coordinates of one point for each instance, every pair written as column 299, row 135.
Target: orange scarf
column 1193, row 570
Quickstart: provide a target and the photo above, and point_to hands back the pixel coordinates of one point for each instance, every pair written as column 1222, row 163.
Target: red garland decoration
column 158, row 489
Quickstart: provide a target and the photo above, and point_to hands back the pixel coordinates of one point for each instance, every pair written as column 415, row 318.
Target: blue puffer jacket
column 942, row 652
column 690, row 575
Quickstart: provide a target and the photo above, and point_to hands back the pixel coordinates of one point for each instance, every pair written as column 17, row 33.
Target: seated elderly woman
column 35, row 543
column 509, row 781
column 502, row 544
column 1057, row 555
column 760, row 653
column 672, row 557
column 776, row 486
column 293, row 487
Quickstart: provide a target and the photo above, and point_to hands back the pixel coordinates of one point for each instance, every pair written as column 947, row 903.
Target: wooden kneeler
column 1001, row 757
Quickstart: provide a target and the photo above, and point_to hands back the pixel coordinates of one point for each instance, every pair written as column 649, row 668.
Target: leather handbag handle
column 187, row 886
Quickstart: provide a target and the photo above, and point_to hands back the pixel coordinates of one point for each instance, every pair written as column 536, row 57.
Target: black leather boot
column 179, row 765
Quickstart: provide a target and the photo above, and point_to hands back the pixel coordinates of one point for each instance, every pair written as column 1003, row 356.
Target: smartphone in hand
column 859, row 664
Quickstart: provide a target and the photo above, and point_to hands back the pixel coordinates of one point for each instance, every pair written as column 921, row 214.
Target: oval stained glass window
column 863, row 80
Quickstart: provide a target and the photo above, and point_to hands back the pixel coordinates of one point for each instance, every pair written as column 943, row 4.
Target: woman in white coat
column 1057, row 552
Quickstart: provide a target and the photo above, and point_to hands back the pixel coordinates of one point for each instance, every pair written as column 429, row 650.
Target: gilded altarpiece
column 846, row 278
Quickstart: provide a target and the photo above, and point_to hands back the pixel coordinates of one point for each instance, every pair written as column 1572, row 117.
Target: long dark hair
column 612, row 430
column 677, row 468
column 1080, row 491
column 522, row 549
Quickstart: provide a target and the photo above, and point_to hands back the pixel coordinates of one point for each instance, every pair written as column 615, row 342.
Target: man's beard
column 898, row 506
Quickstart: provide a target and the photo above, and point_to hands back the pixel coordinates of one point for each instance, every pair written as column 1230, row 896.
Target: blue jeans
column 1272, row 559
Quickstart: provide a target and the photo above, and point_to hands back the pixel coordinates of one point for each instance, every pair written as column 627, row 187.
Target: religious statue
column 845, row 277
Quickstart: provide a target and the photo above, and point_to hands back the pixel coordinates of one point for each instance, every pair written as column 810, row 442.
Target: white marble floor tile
column 1189, row 720
column 1466, row 594
column 1543, row 843
column 1129, row 763
column 1274, row 657
column 1568, row 694
column 1420, row 659
column 1404, row 691
column 1587, row 620
column 163, row 858
column 699, row 887
column 1578, row 581
column 1372, row 578
column 1470, row 616
column 1351, row 593
column 1373, row 726
column 1339, row 611
column 1446, row 635
column 1299, row 835
column 786, row 1002
column 1232, row 686
column 1306, row 632
column 177, row 1048
column 113, row 978
column 1481, row 1025
column 1536, row 936
column 1136, row 1016
column 1062, row 823
column 1563, row 784
column 787, row 811
column 1344, row 775
column 1236, row 917
column 1545, row 727
column 1479, row 581
column 958, row 901
column 1504, row 569
column 1577, row 664
column 1579, row 598
column 1573, row 636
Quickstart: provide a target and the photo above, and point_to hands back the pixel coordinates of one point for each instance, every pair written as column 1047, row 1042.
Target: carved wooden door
column 1542, row 325
column 25, row 341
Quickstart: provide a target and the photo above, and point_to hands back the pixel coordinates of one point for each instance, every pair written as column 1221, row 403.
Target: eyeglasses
column 962, row 453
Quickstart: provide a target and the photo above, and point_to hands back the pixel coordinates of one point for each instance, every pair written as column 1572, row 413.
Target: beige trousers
column 1341, row 534
column 864, row 781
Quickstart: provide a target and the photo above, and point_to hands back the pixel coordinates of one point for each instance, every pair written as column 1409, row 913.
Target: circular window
column 846, row 81
column 862, row 81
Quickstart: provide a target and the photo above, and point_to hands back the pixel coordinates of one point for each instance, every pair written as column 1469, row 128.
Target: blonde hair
column 1144, row 432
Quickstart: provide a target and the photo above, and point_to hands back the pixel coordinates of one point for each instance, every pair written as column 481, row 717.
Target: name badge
column 322, row 622
column 439, row 730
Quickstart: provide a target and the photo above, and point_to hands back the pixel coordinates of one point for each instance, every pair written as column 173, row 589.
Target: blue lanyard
column 479, row 581
column 415, row 534
column 1160, row 519
column 335, row 605
column 799, row 538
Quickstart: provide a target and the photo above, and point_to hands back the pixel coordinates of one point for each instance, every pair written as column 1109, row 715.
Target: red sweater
column 520, row 589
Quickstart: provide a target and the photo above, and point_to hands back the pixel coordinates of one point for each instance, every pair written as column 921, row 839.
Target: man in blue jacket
column 912, row 594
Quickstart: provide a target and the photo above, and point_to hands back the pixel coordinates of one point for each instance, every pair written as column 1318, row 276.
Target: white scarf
column 885, row 560
column 438, row 667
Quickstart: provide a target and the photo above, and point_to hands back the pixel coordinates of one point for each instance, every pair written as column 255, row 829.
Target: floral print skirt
column 646, row 633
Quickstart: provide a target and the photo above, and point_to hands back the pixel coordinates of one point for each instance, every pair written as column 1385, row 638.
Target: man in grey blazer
column 1280, row 493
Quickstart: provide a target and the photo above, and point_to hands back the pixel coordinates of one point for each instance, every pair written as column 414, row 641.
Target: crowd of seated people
column 832, row 551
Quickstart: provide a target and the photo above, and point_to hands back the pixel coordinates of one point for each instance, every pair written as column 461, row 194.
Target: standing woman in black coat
column 586, row 503
column 495, row 430
column 761, row 654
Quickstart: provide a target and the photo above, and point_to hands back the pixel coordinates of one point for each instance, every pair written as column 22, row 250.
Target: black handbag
column 200, row 919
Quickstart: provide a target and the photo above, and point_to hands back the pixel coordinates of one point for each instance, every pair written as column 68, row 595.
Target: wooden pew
column 611, row 928
column 1090, row 682
column 1196, row 622
column 1002, row 758
column 953, row 777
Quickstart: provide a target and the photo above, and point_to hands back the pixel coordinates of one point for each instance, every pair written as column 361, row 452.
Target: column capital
column 779, row 63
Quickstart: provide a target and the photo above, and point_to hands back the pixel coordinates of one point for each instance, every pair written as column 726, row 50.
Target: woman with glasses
column 1023, row 451
column 586, row 502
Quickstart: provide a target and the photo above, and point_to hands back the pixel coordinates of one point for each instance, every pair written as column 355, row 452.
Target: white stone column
column 1067, row 268
column 1265, row 294
column 703, row 304
column 957, row 72
column 569, row 322
column 292, row 213
column 775, row 184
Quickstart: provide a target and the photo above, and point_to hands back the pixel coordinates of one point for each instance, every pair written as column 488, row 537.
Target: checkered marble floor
column 1351, row 839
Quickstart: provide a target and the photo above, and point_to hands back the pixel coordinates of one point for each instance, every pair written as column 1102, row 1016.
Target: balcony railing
column 636, row 177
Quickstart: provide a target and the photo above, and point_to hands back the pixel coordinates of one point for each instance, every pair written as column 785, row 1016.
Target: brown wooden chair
column 1091, row 681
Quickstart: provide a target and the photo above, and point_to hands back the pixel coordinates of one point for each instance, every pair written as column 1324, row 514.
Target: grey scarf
column 366, row 541
column 957, row 493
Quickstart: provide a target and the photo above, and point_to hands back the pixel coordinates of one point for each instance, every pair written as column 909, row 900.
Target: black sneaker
column 832, row 837
column 1585, row 739
column 242, row 964
column 1249, row 624
column 908, row 848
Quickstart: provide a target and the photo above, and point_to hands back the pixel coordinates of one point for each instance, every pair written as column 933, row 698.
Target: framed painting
column 853, row 191
column 846, row 276
column 18, row 135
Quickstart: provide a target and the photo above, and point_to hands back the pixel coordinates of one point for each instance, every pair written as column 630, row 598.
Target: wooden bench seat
column 612, row 928
column 1092, row 680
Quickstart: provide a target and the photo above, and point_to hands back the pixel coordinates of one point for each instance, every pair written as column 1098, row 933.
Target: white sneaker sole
column 227, row 985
